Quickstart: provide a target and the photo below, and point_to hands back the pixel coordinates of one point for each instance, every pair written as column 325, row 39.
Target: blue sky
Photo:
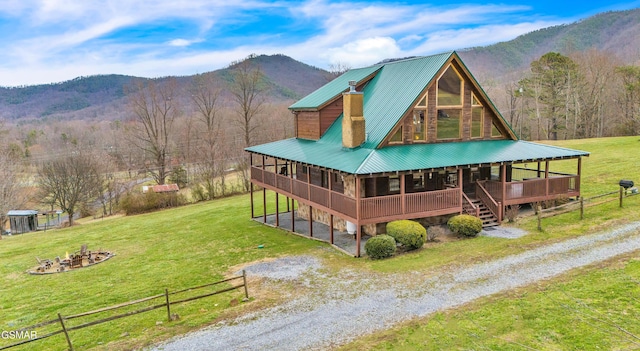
column 44, row 41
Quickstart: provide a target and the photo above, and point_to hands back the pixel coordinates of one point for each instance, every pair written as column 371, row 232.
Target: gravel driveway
column 356, row 304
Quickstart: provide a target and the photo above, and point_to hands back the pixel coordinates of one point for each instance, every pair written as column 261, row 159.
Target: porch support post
column 358, row 238
column 310, row 221
column 277, row 211
column 358, row 215
column 579, row 177
column 250, row 187
column 460, row 185
column 331, row 229
column 293, row 216
column 546, row 178
column 264, row 205
column 264, row 193
column 538, row 169
column 503, row 181
column 403, row 197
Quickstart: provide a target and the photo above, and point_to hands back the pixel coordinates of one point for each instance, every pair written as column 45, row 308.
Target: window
column 396, row 137
column 394, row 185
column 477, row 112
column 418, row 181
column 418, row 124
column 495, row 132
column 450, row 87
column 449, row 123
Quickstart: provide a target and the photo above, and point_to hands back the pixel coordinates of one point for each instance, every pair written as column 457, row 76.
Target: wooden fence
column 166, row 303
column 580, row 205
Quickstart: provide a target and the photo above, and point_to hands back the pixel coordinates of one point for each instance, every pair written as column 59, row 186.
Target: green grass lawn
column 172, row 249
column 201, row 243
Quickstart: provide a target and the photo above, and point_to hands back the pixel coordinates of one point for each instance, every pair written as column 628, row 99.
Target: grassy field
column 201, row 243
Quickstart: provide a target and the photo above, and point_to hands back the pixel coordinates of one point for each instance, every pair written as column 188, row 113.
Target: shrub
column 409, row 234
column 511, row 213
column 134, row 203
column 380, row 246
column 465, row 225
column 434, row 232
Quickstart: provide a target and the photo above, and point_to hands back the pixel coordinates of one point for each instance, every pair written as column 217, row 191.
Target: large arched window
column 449, row 106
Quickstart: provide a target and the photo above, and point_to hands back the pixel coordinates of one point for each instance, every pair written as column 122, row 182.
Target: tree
column 154, row 107
column 630, row 76
column 552, row 79
column 248, row 90
column 205, row 95
column 12, row 196
column 69, row 182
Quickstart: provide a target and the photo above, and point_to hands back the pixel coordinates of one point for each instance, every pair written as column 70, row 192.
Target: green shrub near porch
column 465, row 225
column 410, row 234
column 380, row 246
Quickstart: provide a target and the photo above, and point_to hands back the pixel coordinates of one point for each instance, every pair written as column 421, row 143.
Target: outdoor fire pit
column 79, row 259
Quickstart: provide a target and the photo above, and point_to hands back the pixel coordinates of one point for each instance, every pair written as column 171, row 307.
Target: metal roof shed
column 23, row 221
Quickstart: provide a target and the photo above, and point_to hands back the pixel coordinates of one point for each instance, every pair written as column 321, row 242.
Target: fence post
column 539, row 218
column 166, row 295
column 581, row 207
column 244, row 281
column 66, row 334
column 621, row 196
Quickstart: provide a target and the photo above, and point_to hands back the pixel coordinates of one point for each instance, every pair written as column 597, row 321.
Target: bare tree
column 248, row 90
column 337, row 69
column 70, row 182
column 205, row 94
column 154, row 107
column 12, row 194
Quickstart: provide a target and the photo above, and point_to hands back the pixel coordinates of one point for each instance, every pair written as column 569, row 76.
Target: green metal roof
column 387, row 98
column 334, row 88
column 392, row 92
column 411, row 157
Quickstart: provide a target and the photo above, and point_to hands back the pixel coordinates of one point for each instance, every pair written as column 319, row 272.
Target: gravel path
column 355, row 304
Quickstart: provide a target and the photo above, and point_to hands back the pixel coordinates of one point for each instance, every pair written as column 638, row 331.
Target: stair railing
column 474, row 211
column 487, row 200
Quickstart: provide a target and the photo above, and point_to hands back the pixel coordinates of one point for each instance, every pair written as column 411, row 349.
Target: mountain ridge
column 102, row 96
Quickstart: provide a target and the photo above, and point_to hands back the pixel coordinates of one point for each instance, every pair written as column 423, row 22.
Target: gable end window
column 449, row 104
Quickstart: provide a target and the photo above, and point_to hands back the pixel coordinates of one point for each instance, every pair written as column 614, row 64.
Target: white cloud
column 181, row 42
column 364, row 52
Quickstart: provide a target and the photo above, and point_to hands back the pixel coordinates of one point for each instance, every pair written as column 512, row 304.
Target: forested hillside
column 103, row 96
column 616, row 33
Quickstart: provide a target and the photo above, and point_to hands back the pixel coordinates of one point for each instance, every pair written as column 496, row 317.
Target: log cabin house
column 411, row 139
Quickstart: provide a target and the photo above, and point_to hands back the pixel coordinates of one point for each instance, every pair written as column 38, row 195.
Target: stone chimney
column 353, row 131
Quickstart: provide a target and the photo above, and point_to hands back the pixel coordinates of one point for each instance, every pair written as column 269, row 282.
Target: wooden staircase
column 488, row 219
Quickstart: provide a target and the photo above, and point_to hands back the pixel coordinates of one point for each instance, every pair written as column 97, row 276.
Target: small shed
column 165, row 188
column 23, row 221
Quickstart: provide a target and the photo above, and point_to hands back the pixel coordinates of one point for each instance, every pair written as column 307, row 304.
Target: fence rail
column 167, row 303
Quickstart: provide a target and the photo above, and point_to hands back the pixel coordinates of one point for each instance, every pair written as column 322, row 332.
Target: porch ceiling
column 412, row 157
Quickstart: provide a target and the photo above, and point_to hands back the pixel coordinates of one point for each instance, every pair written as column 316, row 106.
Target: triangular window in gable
column 450, row 88
column 495, row 132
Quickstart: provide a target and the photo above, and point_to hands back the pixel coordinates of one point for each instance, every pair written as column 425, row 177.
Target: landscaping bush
column 409, row 234
column 465, row 225
column 380, row 246
column 134, row 203
column 434, row 232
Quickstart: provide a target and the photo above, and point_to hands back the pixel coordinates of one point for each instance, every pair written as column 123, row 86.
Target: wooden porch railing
column 448, row 200
column 483, row 194
column 538, row 189
column 468, row 207
column 439, row 201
